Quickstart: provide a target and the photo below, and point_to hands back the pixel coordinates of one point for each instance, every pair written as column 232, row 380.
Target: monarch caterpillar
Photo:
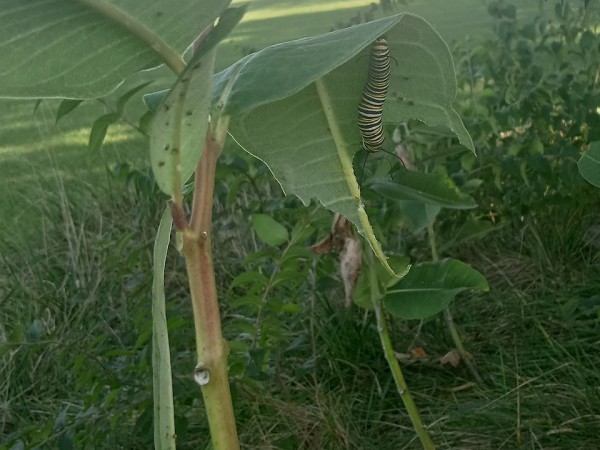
column 370, row 107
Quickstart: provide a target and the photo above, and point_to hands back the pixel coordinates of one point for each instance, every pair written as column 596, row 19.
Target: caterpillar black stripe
column 370, row 108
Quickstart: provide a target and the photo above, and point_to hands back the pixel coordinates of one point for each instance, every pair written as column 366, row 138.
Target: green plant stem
column 166, row 53
column 432, row 243
column 395, row 368
column 212, row 349
column 464, row 355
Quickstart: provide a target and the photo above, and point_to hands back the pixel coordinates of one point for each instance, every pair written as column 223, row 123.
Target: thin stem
column 212, row 349
column 397, row 374
column 432, row 243
column 265, row 296
column 166, row 53
column 464, row 355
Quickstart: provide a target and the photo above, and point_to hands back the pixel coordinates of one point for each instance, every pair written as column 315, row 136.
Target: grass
column 270, row 21
column 534, row 359
column 38, row 156
column 75, row 249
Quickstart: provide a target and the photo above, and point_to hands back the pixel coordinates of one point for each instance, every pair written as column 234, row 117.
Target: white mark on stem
column 201, row 375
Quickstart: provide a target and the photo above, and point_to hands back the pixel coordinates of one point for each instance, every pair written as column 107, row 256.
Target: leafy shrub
column 529, row 100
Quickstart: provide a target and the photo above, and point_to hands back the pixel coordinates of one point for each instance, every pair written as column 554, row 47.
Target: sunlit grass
column 34, row 151
column 289, row 9
column 78, row 138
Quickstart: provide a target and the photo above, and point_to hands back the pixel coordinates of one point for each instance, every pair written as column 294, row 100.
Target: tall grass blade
column 164, row 420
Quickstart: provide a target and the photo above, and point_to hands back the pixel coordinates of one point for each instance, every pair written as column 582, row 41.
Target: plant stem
column 464, row 355
column 112, row 12
column 432, row 243
column 212, row 349
column 388, row 351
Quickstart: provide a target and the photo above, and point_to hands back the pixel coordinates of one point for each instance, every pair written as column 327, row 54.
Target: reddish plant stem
column 212, row 349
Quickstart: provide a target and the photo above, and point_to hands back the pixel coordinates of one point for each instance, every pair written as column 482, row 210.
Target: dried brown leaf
column 418, row 353
column 452, row 358
column 323, row 246
column 350, row 266
column 340, row 231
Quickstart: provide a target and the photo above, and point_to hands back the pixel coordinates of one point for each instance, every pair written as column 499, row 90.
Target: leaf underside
column 308, row 133
column 61, row 48
column 179, row 126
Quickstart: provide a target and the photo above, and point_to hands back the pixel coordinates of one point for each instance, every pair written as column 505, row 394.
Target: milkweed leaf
column 99, row 130
column 65, row 107
column 313, row 157
column 429, row 287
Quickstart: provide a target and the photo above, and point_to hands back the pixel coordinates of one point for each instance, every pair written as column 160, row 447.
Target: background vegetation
column 78, row 226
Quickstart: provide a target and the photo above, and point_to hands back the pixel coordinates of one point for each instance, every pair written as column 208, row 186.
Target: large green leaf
column 180, row 122
column 294, row 105
column 429, row 287
column 432, row 188
column 63, row 48
column 179, row 126
column 589, row 164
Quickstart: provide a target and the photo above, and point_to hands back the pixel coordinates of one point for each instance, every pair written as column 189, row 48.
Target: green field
column 75, row 288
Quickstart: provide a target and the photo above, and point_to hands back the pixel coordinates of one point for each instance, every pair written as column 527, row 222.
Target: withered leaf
column 452, row 358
